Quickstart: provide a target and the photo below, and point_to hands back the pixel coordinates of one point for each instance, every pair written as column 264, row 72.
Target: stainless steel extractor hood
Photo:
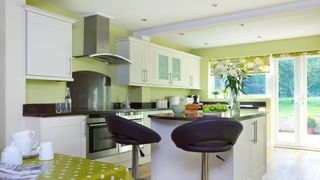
column 96, row 40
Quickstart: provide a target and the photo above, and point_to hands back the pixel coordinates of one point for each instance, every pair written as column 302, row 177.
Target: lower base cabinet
column 250, row 151
column 67, row 133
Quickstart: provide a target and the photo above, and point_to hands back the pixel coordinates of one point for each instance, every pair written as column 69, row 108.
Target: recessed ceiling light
column 181, row 34
column 241, row 24
column 205, row 43
column 143, row 19
column 215, row 4
column 259, row 37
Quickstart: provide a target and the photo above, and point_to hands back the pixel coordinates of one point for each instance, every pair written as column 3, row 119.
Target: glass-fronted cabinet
column 169, row 67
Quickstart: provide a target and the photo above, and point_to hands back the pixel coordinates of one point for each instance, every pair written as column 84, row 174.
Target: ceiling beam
column 229, row 18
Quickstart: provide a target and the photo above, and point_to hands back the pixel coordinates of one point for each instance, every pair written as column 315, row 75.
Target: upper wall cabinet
column 48, row 45
column 141, row 71
column 157, row 66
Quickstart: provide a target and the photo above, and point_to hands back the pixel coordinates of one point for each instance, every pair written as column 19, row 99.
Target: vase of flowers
column 234, row 74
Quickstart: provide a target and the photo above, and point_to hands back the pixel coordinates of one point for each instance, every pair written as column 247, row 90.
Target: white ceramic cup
column 26, row 145
column 45, row 151
column 11, row 155
column 22, row 135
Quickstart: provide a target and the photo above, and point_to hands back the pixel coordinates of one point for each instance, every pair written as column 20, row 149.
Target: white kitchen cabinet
column 251, row 150
column 141, row 71
column 156, row 66
column 48, row 45
column 67, row 133
column 259, row 149
column 169, row 66
column 191, row 73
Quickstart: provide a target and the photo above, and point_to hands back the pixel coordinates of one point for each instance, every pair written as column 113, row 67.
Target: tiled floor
column 283, row 164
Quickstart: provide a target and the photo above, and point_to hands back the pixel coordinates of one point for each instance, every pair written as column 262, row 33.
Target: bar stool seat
column 207, row 136
column 130, row 133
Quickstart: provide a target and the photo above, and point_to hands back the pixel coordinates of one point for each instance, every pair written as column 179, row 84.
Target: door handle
column 142, row 75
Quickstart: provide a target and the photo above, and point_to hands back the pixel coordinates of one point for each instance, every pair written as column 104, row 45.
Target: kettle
column 11, row 155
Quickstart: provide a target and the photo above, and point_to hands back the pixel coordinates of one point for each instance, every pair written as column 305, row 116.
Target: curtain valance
column 296, row 54
column 263, row 62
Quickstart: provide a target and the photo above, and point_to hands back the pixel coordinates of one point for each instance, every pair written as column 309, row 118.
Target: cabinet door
column 137, row 74
column 195, row 75
column 149, row 64
column 191, row 72
column 259, row 149
column 163, row 76
column 176, row 69
column 243, row 153
column 66, row 133
column 49, row 47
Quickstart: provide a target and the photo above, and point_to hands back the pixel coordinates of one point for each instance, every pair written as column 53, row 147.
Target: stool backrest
column 122, row 129
column 207, row 130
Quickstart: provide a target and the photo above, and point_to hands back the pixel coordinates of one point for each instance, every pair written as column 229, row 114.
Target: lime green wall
column 39, row 91
column 252, row 49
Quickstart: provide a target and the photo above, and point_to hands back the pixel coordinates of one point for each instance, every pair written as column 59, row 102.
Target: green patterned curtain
column 250, row 61
column 296, row 54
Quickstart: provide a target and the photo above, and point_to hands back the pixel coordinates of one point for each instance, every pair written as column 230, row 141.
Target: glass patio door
column 287, row 85
column 298, row 101
column 311, row 102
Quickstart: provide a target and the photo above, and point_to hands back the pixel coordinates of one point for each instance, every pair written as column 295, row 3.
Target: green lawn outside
column 286, row 106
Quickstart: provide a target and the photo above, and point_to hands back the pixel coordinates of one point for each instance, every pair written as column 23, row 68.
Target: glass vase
column 234, row 104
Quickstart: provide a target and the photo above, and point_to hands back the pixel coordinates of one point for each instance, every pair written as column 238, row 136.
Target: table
column 68, row 167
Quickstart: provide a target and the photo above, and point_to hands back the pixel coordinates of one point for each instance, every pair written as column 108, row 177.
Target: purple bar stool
column 130, row 133
column 207, row 136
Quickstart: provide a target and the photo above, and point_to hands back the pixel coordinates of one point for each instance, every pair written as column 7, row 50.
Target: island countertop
column 244, row 115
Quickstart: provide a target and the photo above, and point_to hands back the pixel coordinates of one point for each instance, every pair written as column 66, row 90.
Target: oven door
column 126, row 148
column 100, row 142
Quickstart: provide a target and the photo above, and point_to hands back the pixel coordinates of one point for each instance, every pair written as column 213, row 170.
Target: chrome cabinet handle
column 255, row 132
column 142, row 75
column 146, row 75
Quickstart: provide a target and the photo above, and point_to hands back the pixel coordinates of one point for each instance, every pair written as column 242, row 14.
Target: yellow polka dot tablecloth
column 74, row 168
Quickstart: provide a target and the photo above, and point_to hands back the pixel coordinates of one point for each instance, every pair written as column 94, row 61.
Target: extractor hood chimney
column 96, row 40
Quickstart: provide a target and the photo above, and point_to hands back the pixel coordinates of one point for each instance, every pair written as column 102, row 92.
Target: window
column 255, row 85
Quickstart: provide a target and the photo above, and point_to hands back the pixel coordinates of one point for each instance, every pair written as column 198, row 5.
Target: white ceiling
column 227, row 31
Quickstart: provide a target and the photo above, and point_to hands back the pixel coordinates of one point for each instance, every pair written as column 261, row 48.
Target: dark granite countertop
column 244, row 114
column 90, row 113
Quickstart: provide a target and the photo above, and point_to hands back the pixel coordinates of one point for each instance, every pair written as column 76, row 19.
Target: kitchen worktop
column 47, row 110
column 68, row 167
column 244, row 114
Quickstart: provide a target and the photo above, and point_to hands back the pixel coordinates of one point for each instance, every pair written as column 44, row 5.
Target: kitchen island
column 247, row 159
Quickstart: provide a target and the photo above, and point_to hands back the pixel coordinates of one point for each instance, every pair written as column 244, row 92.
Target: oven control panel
column 131, row 115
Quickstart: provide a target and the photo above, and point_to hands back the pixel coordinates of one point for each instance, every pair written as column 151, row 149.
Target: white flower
column 232, row 72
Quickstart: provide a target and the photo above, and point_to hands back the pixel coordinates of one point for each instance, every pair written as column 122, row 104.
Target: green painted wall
column 252, row 49
column 39, row 91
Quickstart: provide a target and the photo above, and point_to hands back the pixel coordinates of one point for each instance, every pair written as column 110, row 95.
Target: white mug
column 45, row 151
column 22, row 135
column 26, row 145
column 11, row 155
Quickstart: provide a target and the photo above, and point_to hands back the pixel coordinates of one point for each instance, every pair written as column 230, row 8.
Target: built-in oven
column 135, row 116
column 100, row 142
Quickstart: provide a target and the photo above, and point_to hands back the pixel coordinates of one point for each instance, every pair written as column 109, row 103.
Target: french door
column 298, row 101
